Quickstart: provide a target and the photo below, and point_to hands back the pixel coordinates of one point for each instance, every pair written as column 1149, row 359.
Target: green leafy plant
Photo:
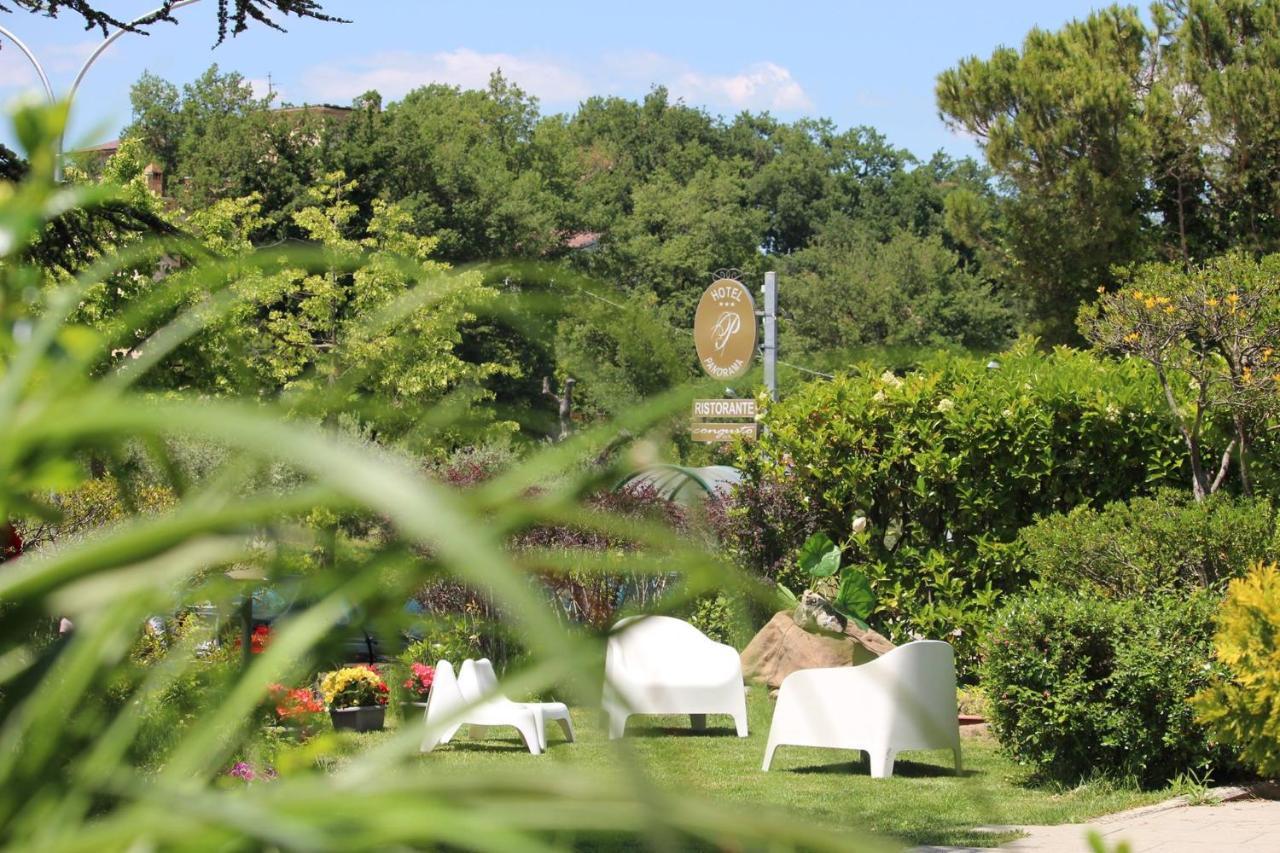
column 1242, row 705
column 820, row 559
column 1079, row 685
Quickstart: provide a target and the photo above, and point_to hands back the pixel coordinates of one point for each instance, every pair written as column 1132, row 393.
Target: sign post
column 771, row 334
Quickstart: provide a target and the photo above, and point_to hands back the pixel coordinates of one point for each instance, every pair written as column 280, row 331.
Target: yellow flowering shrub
column 1242, row 707
column 354, row 687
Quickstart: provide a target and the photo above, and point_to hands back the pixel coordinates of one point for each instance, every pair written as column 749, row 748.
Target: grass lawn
column 924, row 802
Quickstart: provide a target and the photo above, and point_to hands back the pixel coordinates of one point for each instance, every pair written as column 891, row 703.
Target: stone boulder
column 782, row 647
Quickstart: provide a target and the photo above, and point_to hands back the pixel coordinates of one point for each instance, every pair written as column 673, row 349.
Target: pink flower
column 242, row 770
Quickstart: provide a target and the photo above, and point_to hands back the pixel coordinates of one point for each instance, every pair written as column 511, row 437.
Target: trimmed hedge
column 1081, row 685
column 1165, row 542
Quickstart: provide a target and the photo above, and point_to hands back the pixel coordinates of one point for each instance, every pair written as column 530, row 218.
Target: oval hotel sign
column 724, row 329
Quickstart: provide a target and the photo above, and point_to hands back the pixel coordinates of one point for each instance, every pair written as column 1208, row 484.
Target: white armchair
column 905, row 699
column 661, row 665
column 448, row 710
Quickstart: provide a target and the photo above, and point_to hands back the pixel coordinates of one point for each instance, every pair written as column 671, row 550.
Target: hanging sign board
column 743, row 408
column 724, row 329
column 710, row 432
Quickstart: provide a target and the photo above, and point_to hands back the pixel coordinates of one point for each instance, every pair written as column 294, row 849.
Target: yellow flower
column 1151, row 302
column 1233, row 298
column 1211, row 302
column 1137, row 294
column 1101, row 289
column 1132, row 337
column 1169, row 309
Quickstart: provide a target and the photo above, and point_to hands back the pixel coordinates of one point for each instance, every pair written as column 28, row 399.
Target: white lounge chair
column 661, row 665
column 905, row 699
column 479, row 682
column 448, row 710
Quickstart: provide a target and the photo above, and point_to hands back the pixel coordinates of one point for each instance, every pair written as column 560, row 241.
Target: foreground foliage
column 72, row 769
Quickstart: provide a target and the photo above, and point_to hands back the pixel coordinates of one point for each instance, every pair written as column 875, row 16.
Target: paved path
column 1246, row 824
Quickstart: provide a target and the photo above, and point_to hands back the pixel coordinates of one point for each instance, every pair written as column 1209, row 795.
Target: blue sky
column 856, row 62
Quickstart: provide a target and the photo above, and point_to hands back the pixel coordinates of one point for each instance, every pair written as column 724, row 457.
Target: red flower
column 420, row 678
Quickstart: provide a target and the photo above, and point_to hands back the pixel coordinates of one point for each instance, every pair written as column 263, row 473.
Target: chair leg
column 429, row 742
column 448, row 734
column 540, row 726
column 529, row 733
column 881, row 763
column 959, row 763
column 566, row 725
column 769, row 750
column 698, row 722
column 740, row 722
column 617, row 724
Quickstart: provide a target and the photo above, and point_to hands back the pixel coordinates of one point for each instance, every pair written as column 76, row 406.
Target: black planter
column 366, row 719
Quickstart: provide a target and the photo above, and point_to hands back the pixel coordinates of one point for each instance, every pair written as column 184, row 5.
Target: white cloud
column 394, row 74
column 764, row 85
column 558, row 83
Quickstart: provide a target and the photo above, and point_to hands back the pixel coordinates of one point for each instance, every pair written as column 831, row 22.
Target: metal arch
column 44, row 78
column 84, row 69
column 678, row 470
column 727, row 272
column 111, row 39
column 93, row 57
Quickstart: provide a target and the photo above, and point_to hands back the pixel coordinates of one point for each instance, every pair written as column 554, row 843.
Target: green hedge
column 1082, row 686
column 1165, row 542
column 950, row 461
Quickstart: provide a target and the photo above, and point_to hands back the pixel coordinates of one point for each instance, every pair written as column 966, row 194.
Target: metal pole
column 771, row 334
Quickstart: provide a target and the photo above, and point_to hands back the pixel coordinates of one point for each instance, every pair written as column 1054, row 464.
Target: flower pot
column 412, row 710
column 363, row 719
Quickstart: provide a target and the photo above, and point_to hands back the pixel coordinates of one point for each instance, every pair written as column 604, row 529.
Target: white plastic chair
column 905, row 699
column 661, row 665
column 478, row 681
column 448, row 710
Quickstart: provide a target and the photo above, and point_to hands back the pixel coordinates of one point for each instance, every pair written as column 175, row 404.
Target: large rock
column 782, row 647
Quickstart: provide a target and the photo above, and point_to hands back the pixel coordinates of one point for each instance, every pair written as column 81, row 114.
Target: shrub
column 448, row 636
column 949, row 462
column 1242, row 705
column 1168, row 541
column 354, row 687
column 1080, row 685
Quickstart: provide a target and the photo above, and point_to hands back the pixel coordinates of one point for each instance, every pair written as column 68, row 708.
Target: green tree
column 1120, row 141
column 847, row 290
column 1061, row 121
column 1213, row 336
column 621, row 353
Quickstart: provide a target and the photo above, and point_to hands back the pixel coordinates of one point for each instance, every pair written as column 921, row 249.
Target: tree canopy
column 1121, row 141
